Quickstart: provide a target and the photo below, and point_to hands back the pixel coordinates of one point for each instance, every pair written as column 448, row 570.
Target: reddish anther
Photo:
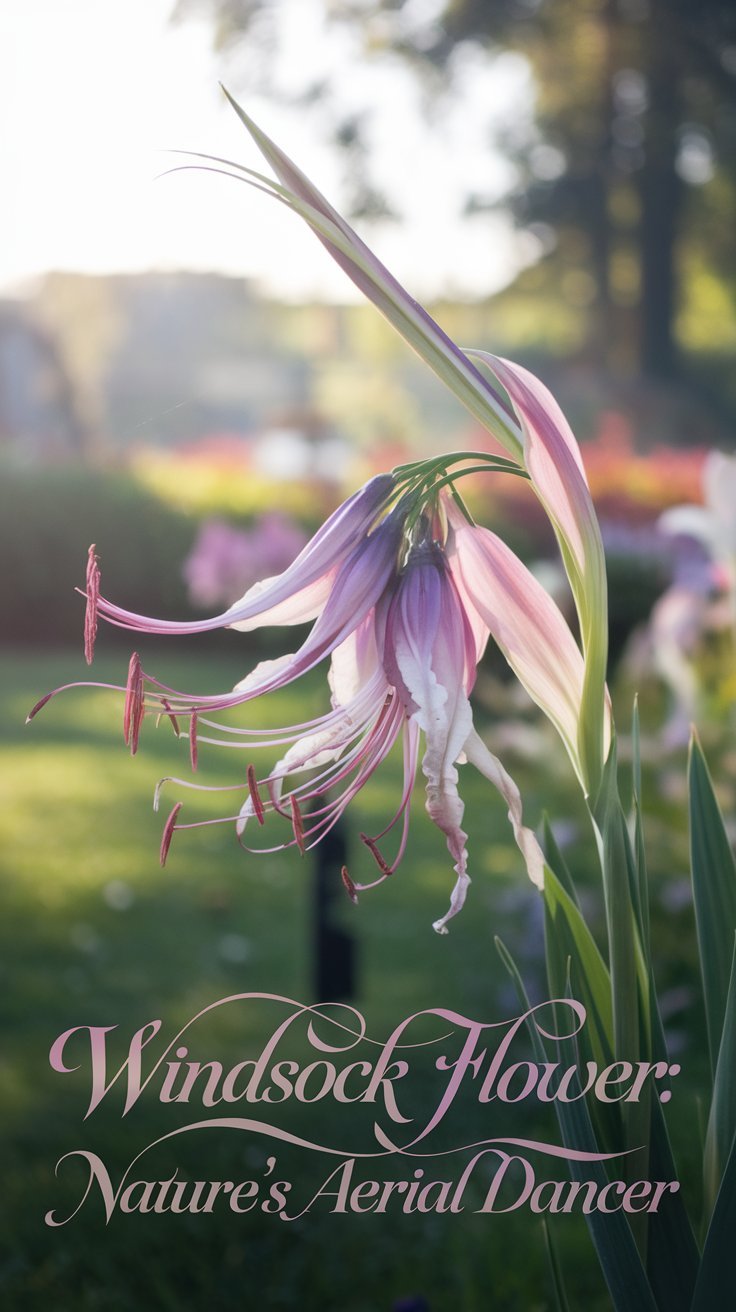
column 168, row 711
column 168, row 833
column 297, row 824
column 39, row 706
column 93, row 596
column 193, row 752
column 255, row 796
column 350, row 888
column 372, row 846
column 134, row 708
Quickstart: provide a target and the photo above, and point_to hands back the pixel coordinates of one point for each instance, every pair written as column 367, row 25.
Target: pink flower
column 404, row 592
column 224, row 560
column 405, row 672
column 404, row 617
column 532, row 429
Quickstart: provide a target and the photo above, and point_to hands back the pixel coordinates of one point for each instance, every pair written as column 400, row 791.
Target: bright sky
column 93, row 93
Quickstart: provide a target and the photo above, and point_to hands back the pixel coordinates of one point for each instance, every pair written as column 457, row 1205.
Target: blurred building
column 39, row 418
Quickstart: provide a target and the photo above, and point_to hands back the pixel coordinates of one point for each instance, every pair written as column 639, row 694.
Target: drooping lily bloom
column 404, row 672
column 532, row 428
column 404, row 592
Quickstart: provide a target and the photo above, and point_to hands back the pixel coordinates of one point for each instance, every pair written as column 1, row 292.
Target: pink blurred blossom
column 225, row 561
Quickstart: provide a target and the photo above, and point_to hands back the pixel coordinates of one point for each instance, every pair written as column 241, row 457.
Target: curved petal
column 524, row 621
column 299, row 608
column 300, row 591
column 490, row 766
column 353, row 662
column 553, row 461
column 428, row 644
column 552, row 458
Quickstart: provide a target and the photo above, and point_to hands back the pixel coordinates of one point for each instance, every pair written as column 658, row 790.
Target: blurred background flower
column 225, row 561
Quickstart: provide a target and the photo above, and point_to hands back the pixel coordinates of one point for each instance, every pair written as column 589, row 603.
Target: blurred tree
column 634, row 134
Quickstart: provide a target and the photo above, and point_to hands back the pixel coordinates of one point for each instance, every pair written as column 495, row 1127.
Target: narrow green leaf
column 568, row 937
column 716, row 1284
column 672, row 1253
column 611, row 1235
column 636, row 752
column 556, row 860
column 722, row 1119
column 714, row 891
column 620, row 886
column 555, row 1270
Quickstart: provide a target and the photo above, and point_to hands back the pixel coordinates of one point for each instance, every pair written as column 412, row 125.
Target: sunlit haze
column 95, row 93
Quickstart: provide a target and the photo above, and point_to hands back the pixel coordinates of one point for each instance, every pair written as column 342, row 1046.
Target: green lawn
column 95, row 933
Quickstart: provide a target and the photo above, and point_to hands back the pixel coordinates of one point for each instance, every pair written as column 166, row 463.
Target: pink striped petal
column 524, row 621
column 552, row 458
column 490, row 766
column 430, row 659
column 300, row 591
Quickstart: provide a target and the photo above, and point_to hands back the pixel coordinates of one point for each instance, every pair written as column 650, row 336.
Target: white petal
column 489, row 765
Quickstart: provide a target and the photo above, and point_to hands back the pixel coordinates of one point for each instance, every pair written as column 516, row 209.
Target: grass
column 93, row 932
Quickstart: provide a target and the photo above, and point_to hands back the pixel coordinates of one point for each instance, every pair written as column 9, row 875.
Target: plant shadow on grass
column 95, row 933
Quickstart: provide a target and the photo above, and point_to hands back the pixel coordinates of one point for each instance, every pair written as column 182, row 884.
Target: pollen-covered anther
column 255, row 796
column 193, row 748
column 134, row 708
column 379, row 859
column 350, row 888
column 168, row 833
column 297, row 824
column 93, row 596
